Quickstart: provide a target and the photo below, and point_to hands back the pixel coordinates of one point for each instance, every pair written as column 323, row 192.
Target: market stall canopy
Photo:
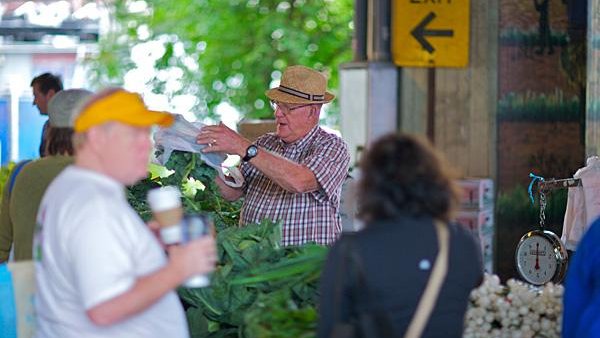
column 33, row 20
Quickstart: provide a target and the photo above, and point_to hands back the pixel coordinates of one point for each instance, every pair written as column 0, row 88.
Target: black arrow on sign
column 420, row 32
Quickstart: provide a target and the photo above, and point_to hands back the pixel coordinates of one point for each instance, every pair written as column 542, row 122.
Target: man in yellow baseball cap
column 118, row 105
column 99, row 269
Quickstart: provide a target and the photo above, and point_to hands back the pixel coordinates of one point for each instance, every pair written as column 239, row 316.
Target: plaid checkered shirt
column 306, row 217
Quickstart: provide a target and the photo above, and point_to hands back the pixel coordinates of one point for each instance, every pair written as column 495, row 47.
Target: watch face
column 540, row 257
column 252, row 150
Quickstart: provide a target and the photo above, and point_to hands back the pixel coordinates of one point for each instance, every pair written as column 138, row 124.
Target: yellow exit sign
column 430, row 33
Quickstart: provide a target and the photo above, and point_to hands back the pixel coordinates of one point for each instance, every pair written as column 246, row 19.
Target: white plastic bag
column 17, row 293
column 182, row 136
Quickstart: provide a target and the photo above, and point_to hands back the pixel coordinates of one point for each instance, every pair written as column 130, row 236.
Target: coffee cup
column 165, row 203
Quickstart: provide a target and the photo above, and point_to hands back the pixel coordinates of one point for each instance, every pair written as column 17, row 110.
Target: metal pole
column 359, row 41
column 378, row 30
column 431, row 104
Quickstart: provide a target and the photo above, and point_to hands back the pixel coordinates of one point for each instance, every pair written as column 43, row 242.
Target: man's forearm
column 290, row 175
column 228, row 193
column 145, row 292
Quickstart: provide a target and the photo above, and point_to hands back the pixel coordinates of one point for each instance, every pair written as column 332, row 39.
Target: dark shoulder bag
column 361, row 324
column 376, row 324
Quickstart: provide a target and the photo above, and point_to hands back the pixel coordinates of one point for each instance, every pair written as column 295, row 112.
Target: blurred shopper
column 100, row 271
column 408, row 256
column 23, row 193
column 294, row 175
column 581, row 303
column 44, row 87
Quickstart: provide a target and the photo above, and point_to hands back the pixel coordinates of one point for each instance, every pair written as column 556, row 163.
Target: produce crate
column 481, row 225
column 477, row 193
column 477, row 221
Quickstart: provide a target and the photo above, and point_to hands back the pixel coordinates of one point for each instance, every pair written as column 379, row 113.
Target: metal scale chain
column 542, row 209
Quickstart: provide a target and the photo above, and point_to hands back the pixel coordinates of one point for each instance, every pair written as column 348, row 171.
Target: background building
column 38, row 37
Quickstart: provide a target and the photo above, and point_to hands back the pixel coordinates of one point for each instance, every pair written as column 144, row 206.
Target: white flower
column 514, row 310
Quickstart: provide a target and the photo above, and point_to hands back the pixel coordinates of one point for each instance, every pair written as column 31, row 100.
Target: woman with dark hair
column 408, row 256
column 23, row 193
column 60, row 141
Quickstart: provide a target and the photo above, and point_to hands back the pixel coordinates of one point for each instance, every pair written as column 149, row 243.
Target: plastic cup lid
column 164, row 198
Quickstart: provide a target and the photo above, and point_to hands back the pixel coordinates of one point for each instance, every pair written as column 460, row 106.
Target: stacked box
column 477, row 221
column 477, row 215
column 487, row 249
column 477, row 193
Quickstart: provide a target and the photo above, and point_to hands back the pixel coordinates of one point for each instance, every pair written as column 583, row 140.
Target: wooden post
column 466, row 99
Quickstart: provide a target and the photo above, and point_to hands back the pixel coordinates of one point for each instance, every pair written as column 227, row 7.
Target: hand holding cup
column 166, row 207
column 194, row 259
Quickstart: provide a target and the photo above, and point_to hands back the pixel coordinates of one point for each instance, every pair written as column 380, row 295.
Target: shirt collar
column 102, row 179
column 301, row 143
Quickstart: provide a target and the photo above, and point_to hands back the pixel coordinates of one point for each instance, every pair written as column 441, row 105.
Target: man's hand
column 222, row 139
column 289, row 175
column 196, row 257
column 229, row 193
column 154, row 227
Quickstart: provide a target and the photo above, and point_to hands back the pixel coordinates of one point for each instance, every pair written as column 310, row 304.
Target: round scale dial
column 541, row 257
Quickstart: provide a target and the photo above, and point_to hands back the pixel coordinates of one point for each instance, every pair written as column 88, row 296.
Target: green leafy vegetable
column 259, row 289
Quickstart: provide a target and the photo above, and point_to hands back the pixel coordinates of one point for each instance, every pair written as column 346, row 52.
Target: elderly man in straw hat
column 100, row 272
column 294, row 175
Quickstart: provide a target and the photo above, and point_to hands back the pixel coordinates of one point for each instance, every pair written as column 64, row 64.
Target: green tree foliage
column 4, row 176
column 228, row 50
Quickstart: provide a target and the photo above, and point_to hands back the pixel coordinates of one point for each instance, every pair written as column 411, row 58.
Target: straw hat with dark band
column 301, row 84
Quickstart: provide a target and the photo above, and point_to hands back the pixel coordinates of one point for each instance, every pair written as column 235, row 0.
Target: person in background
column 294, row 175
column 406, row 198
column 100, row 271
column 581, row 303
column 21, row 197
column 44, row 87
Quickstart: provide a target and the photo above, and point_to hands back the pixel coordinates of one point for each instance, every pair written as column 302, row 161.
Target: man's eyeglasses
column 285, row 109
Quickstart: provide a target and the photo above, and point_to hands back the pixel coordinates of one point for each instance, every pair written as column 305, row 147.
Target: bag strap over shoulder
column 14, row 173
column 434, row 284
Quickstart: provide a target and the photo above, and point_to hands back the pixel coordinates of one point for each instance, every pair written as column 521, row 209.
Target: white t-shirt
column 90, row 247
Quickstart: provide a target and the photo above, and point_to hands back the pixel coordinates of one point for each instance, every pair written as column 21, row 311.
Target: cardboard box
column 477, row 193
column 481, row 224
column 488, row 265
column 487, row 251
column 477, row 221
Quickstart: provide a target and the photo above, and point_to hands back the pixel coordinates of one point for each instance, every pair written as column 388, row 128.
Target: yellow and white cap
column 121, row 106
